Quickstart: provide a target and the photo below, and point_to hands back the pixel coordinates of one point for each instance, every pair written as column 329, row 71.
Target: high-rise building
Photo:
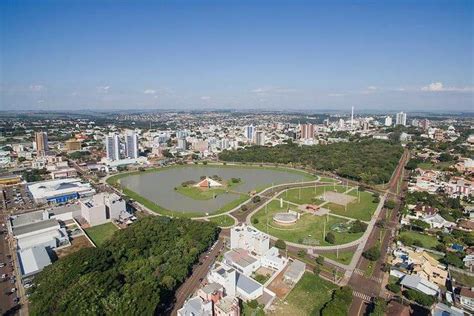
column 112, row 145
column 260, row 138
column 388, row 121
column 249, row 131
column 73, row 145
column 425, row 124
column 181, row 144
column 131, row 145
column 307, row 131
column 401, row 119
column 41, row 141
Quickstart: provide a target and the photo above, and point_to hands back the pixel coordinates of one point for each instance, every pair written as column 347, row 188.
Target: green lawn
column 326, row 179
column 309, row 195
column 222, row 221
column 308, row 297
column 438, row 166
column 426, row 240
column 463, row 278
column 343, row 257
column 99, row 234
column 362, row 210
column 199, row 193
column 309, row 227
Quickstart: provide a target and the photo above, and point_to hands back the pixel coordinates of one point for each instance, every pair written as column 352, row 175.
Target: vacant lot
column 99, row 234
column 362, row 210
column 307, row 297
column 222, row 221
column 76, row 244
column 426, row 240
column 309, row 195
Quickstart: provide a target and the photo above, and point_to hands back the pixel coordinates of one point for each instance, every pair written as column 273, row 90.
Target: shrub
column 372, row 254
column 330, row 238
column 255, row 221
column 390, row 204
column 301, row 253
column 256, row 199
column 244, row 208
column 392, row 287
column 358, row 227
column 320, row 260
column 280, row 244
column 420, row 298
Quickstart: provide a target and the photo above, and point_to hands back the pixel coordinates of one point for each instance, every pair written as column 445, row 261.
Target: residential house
column 466, row 299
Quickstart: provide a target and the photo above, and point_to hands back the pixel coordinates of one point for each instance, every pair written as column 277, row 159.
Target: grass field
column 222, row 221
column 308, row 226
column 99, row 234
column 308, row 297
column 362, row 210
column 463, row 278
column 426, row 240
column 437, row 166
column 344, row 257
column 308, row 195
column 200, row 194
column 327, row 179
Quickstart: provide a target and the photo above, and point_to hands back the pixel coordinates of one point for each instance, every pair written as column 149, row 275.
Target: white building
column 250, row 239
column 388, row 121
column 131, row 146
column 112, row 145
column 235, row 283
column 196, row 307
column 249, row 132
column 102, row 208
column 32, row 261
column 60, row 191
column 401, row 119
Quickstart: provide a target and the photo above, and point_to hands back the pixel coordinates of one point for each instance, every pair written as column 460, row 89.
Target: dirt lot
column 76, row 244
column 280, row 288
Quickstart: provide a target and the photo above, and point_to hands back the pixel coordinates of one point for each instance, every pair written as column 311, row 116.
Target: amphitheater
column 286, row 218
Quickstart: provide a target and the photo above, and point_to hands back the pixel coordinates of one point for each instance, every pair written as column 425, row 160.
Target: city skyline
column 294, row 56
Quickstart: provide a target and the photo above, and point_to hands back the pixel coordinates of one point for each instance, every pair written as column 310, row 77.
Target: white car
column 28, row 285
column 13, row 289
column 4, row 276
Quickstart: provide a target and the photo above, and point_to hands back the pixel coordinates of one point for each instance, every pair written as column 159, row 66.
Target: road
column 368, row 287
column 198, row 274
column 7, row 304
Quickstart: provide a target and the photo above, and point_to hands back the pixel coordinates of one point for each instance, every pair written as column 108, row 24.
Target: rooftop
column 25, row 229
column 33, row 260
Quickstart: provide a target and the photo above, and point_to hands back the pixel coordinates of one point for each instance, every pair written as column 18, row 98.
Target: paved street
column 198, row 274
column 7, row 304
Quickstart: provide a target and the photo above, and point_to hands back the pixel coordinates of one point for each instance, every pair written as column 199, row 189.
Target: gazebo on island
column 208, row 183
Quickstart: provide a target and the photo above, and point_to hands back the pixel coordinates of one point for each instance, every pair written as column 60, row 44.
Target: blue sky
column 394, row 55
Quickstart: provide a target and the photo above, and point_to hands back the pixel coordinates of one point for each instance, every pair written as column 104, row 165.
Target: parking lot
column 16, row 197
column 8, row 295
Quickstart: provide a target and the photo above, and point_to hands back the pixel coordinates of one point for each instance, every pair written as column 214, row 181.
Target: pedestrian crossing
column 362, row 273
column 362, row 296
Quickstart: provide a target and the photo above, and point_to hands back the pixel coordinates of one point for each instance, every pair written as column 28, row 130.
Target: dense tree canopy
column 135, row 273
column 370, row 161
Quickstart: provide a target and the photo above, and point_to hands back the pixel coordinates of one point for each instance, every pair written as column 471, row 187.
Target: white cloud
column 275, row 90
column 36, row 87
column 205, row 98
column 435, row 86
column 336, row 94
column 372, row 88
column 439, row 87
column 40, row 101
column 149, row 91
column 103, row 89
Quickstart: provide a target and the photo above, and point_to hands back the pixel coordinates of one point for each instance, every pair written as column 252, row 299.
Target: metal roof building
column 33, row 260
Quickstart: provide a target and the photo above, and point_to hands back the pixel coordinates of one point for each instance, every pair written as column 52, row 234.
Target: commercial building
column 388, row 121
column 41, row 142
column 401, row 119
column 131, row 146
column 63, row 173
column 59, row 191
column 32, row 261
column 416, row 282
column 112, row 146
column 102, row 208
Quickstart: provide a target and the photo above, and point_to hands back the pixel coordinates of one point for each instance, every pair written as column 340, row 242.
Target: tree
column 256, row 199
column 358, row 227
column 379, row 307
column 301, row 253
column 320, row 260
column 372, row 254
column 255, row 221
column 393, row 287
column 244, row 208
column 390, row 204
column 420, row 298
column 280, row 244
column 330, row 238
column 452, row 259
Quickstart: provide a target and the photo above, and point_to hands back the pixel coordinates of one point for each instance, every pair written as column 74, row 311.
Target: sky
column 272, row 55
